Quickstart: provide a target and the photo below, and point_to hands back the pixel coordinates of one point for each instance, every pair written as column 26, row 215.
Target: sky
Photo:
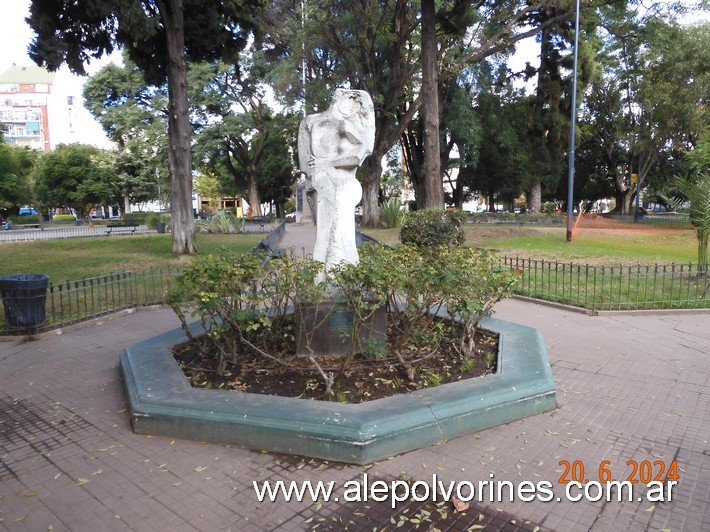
column 15, row 37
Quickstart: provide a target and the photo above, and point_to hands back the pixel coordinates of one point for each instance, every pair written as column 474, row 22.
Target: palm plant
column 391, row 211
column 696, row 191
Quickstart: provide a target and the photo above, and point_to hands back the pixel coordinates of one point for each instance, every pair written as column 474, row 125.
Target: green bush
column 232, row 292
column 244, row 304
column 59, row 218
column 391, row 212
column 432, row 228
column 154, row 218
column 222, row 223
column 24, row 219
column 136, row 217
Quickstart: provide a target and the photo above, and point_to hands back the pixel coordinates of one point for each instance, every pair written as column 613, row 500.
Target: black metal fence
column 596, row 288
column 588, row 221
column 638, row 287
column 74, row 301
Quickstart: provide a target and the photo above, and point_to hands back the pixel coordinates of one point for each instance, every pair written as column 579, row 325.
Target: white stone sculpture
column 331, row 145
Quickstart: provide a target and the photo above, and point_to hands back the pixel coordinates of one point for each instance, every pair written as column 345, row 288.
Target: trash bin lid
column 25, row 277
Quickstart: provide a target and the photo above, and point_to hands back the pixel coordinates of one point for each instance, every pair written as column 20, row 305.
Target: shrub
column 154, row 218
column 24, row 219
column 232, row 292
column 243, row 303
column 135, row 217
column 64, row 218
column 432, row 228
column 391, row 212
column 223, row 222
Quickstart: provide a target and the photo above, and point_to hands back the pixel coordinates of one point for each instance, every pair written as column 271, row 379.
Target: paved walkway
column 630, row 388
column 301, row 237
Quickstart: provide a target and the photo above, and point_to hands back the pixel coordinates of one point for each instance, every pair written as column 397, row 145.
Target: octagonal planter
column 162, row 402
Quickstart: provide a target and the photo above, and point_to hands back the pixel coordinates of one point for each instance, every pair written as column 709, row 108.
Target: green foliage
column 223, row 222
column 243, row 303
column 64, row 218
column 24, row 219
column 696, row 190
column 392, row 213
column 428, row 289
column 240, row 302
column 16, row 165
column 154, row 218
column 431, row 228
column 137, row 217
column 77, row 176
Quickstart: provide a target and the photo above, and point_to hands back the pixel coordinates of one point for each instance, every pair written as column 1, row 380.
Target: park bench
column 121, row 227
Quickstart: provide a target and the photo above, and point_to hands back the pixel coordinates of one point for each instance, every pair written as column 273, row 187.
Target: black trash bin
column 24, row 296
column 160, row 227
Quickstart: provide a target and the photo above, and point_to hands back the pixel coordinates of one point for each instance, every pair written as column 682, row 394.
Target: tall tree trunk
column 254, row 199
column 371, row 175
column 535, row 197
column 430, row 109
column 179, row 130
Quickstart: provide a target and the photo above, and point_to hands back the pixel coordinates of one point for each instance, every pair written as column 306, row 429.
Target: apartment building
column 24, row 102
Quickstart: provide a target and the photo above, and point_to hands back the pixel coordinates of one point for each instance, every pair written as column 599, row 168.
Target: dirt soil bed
column 369, row 377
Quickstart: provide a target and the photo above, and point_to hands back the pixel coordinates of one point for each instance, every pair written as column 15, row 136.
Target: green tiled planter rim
column 162, row 402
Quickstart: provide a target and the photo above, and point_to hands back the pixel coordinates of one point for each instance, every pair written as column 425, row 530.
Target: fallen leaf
column 82, row 481
column 31, row 494
column 459, row 506
column 650, row 509
column 200, row 469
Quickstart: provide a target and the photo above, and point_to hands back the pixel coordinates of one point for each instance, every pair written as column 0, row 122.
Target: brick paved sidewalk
column 629, row 388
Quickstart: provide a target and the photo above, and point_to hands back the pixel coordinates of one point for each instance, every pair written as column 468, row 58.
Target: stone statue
column 331, row 145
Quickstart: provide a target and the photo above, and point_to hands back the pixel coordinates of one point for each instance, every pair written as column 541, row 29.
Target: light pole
column 573, row 123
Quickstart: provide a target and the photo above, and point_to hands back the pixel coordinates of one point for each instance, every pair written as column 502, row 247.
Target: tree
column 77, row 176
column 276, row 171
column 655, row 86
column 433, row 186
column 133, row 115
column 16, row 165
column 159, row 36
column 237, row 126
column 374, row 46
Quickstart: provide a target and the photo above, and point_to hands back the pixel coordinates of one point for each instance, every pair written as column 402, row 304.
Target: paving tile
column 629, row 388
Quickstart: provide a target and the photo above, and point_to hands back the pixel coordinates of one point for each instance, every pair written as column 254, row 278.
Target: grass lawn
column 608, row 247
column 75, row 258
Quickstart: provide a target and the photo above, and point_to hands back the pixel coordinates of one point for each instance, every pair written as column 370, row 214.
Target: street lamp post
column 573, row 123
